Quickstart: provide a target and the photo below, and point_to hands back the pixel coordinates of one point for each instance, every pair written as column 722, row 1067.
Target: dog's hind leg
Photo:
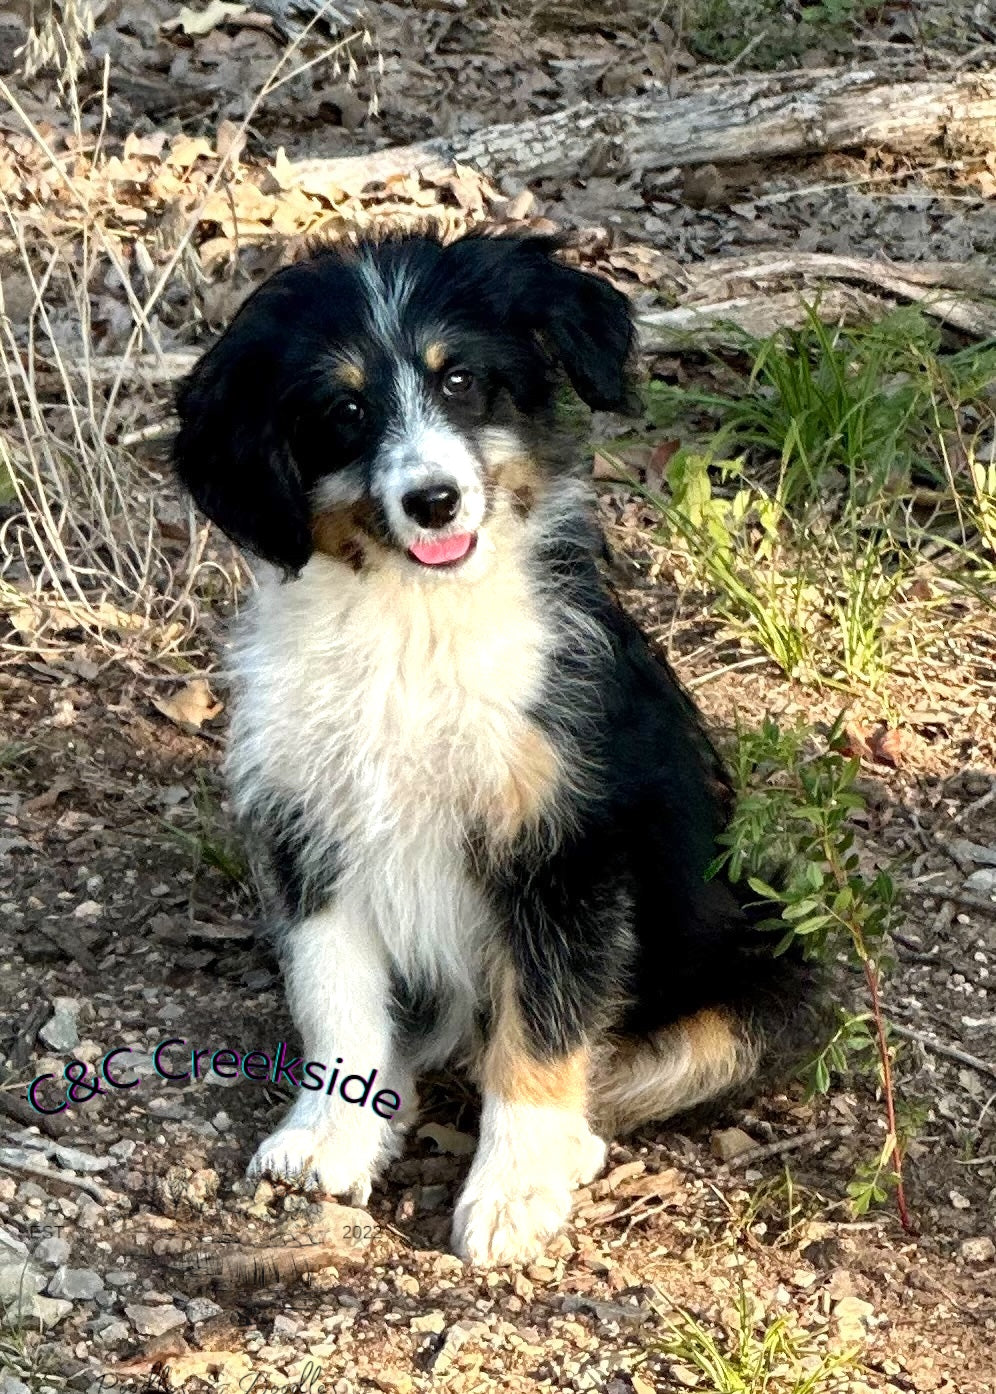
column 339, row 994
column 694, row 1060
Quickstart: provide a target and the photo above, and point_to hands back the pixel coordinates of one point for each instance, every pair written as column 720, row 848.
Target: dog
column 481, row 804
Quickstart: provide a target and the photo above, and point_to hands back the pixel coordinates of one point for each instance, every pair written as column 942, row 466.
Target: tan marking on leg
column 512, row 1070
column 350, row 373
column 682, row 1065
column 434, row 355
column 529, row 790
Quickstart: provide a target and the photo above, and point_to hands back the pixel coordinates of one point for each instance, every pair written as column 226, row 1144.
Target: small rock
column 162, row 1347
column 980, row 1250
column 393, row 1381
column 202, row 1309
column 852, row 1313
column 123, row 1149
column 344, row 1226
column 119, row 1278
column 153, row 1321
column 113, row 1333
column 10, row 1385
column 60, row 1032
column 284, row 1326
column 53, row 1253
column 19, row 1277
column 456, row 1337
column 10, row 1244
column 983, row 881
column 166, row 1108
column 78, row 1284
column 428, row 1321
column 74, row 1159
column 729, row 1143
column 32, row 1307
column 959, row 1201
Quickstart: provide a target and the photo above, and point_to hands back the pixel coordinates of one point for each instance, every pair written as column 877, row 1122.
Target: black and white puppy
column 484, row 804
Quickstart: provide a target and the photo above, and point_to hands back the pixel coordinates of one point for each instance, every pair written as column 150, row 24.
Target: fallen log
column 751, row 292
column 723, row 120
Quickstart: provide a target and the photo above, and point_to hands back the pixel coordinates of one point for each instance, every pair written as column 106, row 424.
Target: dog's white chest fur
column 390, row 707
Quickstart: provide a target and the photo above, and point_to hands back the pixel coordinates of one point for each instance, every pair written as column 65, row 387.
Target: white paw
column 310, row 1160
column 514, row 1203
column 499, row 1228
column 589, row 1158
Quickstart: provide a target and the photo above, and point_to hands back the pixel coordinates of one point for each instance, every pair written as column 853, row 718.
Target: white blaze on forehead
column 387, row 293
column 421, row 447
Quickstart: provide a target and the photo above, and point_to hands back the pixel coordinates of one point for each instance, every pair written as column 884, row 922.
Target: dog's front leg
column 535, row 1144
column 339, row 994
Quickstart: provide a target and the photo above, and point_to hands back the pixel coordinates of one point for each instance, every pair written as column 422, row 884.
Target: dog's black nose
column 433, row 506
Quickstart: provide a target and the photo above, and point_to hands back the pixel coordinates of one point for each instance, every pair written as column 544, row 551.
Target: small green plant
column 792, row 840
column 841, row 465
column 781, row 1205
column 23, row 1357
column 211, row 840
column 776, row 29
column 853, row 417
column 755, row 1358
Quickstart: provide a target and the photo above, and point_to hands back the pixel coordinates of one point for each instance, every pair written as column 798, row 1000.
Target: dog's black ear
column 584, row 319
column 590, row 324
column 230, row 451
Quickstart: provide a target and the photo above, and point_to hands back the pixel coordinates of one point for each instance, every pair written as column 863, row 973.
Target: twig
column 941, row 1048
column 972, row 902
column 815, row 1137
column 83, row 1183
column 871, row 978
column 54, row 1125
column 974, row 807
column 24, row 1041
column 64, row 940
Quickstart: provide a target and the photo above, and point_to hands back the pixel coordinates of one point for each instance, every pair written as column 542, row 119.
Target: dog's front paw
column 310, row 1160
column 508, row 1225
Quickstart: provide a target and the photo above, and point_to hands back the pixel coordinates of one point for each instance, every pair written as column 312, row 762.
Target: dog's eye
column 457, row 381
column 350, row 413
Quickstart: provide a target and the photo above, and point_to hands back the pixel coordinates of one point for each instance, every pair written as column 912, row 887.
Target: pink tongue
column 446, row 549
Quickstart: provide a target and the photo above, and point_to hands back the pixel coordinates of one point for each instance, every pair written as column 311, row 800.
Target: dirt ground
column 124, row 917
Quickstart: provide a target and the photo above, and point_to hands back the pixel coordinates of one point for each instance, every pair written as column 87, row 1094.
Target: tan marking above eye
column 434, row 355
column 351, row 373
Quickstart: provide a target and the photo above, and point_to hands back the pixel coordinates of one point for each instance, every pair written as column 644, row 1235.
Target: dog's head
column 385, row 396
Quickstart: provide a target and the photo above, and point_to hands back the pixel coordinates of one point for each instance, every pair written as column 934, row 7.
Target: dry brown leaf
column 609, row 467
column 48, row 798
column 186, row 150
column 889, row 746
column 856, row 743
column 191, row 706
column 658, row 460
column 656, row 1183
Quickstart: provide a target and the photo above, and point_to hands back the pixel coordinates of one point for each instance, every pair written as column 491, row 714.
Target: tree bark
column 728, row 119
